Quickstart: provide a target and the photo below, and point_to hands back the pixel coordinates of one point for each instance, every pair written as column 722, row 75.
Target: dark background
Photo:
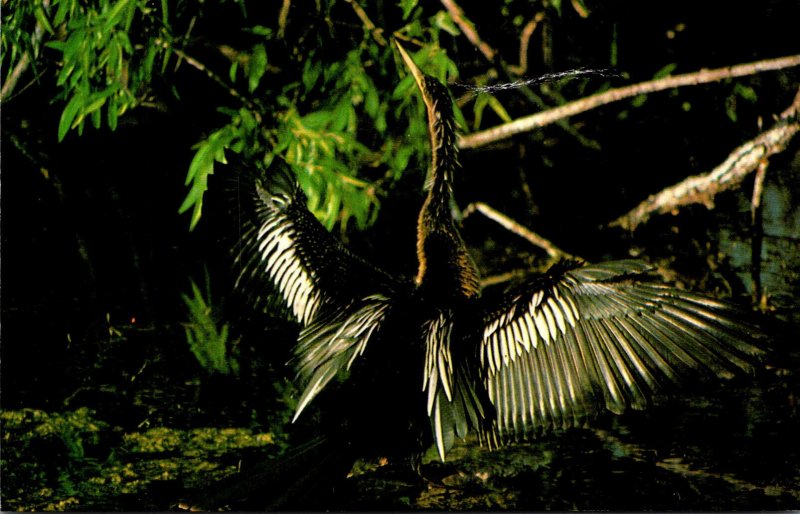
column 96, row 242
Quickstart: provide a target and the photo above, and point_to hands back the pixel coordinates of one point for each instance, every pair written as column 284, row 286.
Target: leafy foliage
column 328, row 139
column 208, row 343
column 329, row 114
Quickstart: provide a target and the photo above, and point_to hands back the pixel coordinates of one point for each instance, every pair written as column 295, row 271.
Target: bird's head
column 441, row 123
column 434, row 93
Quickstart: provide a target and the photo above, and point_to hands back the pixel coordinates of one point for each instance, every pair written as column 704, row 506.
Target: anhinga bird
column 429, row 359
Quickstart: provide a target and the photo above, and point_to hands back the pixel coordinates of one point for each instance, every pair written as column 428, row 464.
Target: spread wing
column 340, row 299
column 285, row 250
column 576, row 339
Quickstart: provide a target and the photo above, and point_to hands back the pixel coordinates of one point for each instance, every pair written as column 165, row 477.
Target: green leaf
column 165, row 13
column 665, row 71
column 256, row 66
column 232, row 71
column 371, row 102
column 311, row 72
column 55, row 45
column 260, row 30
column 112, row 114
column 407, row 6
column 116, row 13
column 317, row 120
column 342, row 115
column 746, row 92
column 481, row 101
column 148, row 62
column 443, row 20
column 380, row 121
column 402, row 88
column 41, row 17
column 498, row 108
column 639, row 100
column 96, row 117
column 68, row 114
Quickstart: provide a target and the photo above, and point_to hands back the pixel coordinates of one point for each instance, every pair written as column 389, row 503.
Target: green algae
column 56, row 461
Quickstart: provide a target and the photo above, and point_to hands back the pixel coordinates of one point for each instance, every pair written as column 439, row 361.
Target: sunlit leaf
column 68, row 115
column 444, row 21
column 407, row 6
column 256, row 66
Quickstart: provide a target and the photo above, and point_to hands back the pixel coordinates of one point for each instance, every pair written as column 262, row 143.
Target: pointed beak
column 412, row 67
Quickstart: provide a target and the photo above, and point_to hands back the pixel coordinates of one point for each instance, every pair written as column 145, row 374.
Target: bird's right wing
column 581, row 338
column 284, row 249
column 338, row 298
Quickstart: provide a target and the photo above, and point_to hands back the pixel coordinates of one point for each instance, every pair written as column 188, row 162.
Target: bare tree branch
column 543, row 118
column 494, row 280
column 508, row 223
column 468, row 28
column 283, row 17
column 524, row 41
column 495, row 59
column 377, row 33
column 703, row 188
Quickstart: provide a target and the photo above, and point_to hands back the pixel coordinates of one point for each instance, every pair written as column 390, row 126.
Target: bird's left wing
column 338, row 298
column 576, row 339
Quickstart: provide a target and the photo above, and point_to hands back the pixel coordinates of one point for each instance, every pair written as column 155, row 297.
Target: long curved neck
column 444, row 148
column 445, row 267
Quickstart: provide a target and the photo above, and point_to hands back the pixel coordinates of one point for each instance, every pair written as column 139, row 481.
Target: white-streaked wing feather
column 580, row 339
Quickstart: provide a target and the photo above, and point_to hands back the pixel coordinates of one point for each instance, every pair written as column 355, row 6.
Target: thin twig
column 703, row 188
column 513, row 226
column 185, row 37
column 377, row 33
column 543, row 118
column 495, row 59
column 283, row 17
column 468, row 28
column 494, row 280
column 25, row 60
column 757, row 232
column 524, row 42
column 194, row 63
column 758, row 188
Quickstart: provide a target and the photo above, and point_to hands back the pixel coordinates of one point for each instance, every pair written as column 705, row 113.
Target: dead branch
column 758, row 188
column 468, row 28
column 25, row 60
column 283, row 17
column 515, row 227
column 377, row 33
column 524, row 42
column 549, row 116
column 703, row 188
column 494, row 280
column 495, row 59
